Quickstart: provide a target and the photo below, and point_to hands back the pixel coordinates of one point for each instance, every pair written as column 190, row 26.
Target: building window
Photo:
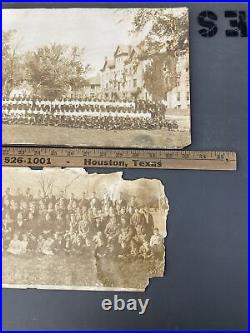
column 178, row 96
column 135, row 83
column 188, row 97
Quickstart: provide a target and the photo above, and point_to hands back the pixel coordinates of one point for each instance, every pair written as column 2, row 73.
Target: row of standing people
column 77, row 103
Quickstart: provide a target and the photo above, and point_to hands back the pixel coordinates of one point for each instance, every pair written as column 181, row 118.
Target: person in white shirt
column 17, row 246
column 157, row 243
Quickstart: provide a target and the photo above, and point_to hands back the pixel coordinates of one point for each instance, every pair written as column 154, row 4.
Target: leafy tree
column 53, row 70
column 166, row 37
column 12, row 69
column 77, row 69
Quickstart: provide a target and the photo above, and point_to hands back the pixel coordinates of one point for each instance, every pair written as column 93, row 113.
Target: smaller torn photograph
column 67, row 229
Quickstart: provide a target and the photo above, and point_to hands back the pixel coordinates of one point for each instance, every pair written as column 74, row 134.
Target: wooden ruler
column 31, row 156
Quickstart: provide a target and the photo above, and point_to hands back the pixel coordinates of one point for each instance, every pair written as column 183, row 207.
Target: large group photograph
column 67, row 229
column 96, row 77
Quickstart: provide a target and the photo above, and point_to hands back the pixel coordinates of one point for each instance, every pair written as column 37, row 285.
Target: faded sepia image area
column 67, row 229
column 96, row 77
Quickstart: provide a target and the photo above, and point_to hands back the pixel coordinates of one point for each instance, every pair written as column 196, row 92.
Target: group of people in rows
column 54, row 224
column 86, row 113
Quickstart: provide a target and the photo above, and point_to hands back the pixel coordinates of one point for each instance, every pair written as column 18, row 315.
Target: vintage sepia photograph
column 67, row 229
column 116, row 77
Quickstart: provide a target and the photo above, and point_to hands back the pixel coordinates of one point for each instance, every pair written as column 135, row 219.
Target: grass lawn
column 79, row 271
column 50, row 135
column 55, row 270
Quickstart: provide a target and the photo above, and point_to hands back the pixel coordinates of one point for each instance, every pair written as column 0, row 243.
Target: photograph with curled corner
column 116, row 77
column 67, row 229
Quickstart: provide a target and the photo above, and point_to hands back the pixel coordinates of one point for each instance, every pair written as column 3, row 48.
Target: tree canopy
column 165, row 39
column 12, row 70
column 53, row 70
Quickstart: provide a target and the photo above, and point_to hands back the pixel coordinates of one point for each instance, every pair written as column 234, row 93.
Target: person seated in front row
column 145, row 251
column 47, row 245
column 18, row 246
column 99, row 244
column 157, row 243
